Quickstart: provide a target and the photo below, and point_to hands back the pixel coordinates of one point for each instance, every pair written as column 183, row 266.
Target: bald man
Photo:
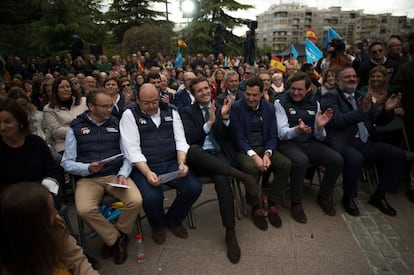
column 153, row 139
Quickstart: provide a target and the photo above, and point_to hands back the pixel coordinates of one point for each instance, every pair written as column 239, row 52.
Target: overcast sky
column 396, row 7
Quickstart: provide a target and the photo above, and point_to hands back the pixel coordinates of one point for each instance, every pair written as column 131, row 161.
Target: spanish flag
column 275, row 63
column 228, row 63
column 311, row 35
column 181, row 44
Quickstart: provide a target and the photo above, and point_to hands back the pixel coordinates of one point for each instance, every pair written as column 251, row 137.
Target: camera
column 338, row 45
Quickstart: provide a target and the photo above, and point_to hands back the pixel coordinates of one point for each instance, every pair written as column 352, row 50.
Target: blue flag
column 313, row 53
column 331, row 34
column 293, row 51
column 178, row 59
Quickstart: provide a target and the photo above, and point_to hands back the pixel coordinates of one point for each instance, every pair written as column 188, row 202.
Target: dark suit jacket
column 222, row 96
column 342, row 128
column 182, row 99
column 240, row 122
column 193, row 121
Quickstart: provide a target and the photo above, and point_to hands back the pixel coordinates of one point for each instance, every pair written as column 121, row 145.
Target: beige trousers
column 88, row 194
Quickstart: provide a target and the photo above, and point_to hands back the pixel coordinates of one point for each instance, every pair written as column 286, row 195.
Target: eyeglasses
column 126, row 85
column 109, row 106
column 396, row 45
column 377, row 51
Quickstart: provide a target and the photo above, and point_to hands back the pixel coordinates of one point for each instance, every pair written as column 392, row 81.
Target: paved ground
column 370, row 244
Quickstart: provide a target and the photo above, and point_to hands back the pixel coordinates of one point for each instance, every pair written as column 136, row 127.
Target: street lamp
column 189, row 7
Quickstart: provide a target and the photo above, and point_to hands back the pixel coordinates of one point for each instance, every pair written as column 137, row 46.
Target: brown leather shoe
column 326, row 205
column 179, row 231
column 120, row 249
column 297, row 213
column 274, row 217
column 259, row 219
column 233, row 248
column 159, row 236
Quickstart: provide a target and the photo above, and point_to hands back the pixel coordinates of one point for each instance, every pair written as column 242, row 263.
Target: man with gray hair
column 232, row 88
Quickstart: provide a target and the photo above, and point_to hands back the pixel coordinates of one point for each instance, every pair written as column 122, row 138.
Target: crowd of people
column 129, row 121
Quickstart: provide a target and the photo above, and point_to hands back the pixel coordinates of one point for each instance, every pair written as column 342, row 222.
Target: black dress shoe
column 259, row 219
column 410, row 195
column 382, row 205
column 233, row 248
column 297, row 213
column 120, row 249
column 350, row 207
column 274, row 217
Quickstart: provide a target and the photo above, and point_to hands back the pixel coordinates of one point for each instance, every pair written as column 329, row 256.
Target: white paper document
column 117, row 185
column 111, row 158
column 168, row 176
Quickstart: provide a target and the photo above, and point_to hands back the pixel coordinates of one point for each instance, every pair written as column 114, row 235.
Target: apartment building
column 286, row 24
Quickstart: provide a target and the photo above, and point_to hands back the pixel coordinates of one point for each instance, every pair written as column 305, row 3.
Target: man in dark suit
column 253, row 122
column 183, row 97
column 351, row 131
column 232, row 88
column 204, row 126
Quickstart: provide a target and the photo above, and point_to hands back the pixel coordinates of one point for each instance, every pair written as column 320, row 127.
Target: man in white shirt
column 154, row 141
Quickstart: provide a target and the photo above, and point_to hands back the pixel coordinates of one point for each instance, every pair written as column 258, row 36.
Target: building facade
column 286, row 24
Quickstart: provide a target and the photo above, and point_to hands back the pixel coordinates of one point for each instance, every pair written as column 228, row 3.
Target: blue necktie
column 362, row 130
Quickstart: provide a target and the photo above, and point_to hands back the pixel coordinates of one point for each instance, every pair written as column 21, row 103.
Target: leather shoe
column 350, row 206
column 233, row 248
column 274, row 217
column 382, row 204
column 159, row 236
column 179, row 231
column 326, row 205
column 297, row 213
column 410, row 195
column 259, row 219
column 120, row 249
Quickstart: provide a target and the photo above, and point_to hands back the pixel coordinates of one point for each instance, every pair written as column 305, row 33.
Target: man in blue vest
column 300, row 126
column 153, row 139
column 93, row 137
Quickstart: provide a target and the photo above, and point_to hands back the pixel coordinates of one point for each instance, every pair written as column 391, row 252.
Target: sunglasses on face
column 377, row 51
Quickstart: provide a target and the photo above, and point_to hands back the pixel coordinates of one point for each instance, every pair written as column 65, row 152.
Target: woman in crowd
column 35, row 117
column 64, row 106
column 45, row 93
column 328, row 81
column 118, row 99
column 34, row 239
column 139, row 80
column 218, row 84
column 377, row 85
column 23, row 156
column 277, row 83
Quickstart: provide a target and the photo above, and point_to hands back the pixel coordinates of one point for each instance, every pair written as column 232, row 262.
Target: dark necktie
column 362, row 130
column 211, row 136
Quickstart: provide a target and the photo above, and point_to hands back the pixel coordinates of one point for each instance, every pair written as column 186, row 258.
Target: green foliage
column 199, row 34
column 40, row 27
column 147, row 36
column 124, row 14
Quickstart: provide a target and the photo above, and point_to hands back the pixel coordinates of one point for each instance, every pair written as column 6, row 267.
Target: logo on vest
column 142, row 121
column 292, row 111
column 168, row 118
column 111, row 130
column 85, row 131
column 311, row 113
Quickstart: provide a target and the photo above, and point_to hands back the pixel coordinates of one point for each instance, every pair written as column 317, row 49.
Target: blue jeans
column 188, row 190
